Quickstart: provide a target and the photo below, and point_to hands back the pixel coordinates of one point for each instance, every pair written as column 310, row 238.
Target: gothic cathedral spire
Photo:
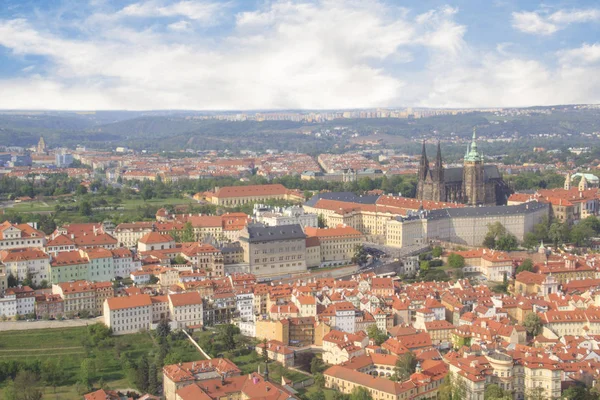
column 424, row 164
column 439, row 168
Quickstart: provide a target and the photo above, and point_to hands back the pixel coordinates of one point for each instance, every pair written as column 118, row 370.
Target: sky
column 284, row 54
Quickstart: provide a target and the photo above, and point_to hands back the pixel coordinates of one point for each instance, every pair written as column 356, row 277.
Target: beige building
column 80, row 296
column 337, row 245
column 274, row 251
column 466, row 226
column 232, row 196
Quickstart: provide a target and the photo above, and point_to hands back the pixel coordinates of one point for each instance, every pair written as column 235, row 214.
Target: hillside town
column 469, row 286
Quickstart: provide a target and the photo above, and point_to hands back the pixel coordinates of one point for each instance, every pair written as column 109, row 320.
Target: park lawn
column 34, row 206
column 135, row 203
column 313, row 389
column 65, row 345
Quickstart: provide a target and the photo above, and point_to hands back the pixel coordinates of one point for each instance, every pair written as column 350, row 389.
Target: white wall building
column 186, row 309
column 128, row 314
column 285, row 216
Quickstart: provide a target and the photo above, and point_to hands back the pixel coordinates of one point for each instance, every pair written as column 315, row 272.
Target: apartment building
column 232, row 196
column 14, row 236
column 101, row 266
column 337, row 245
column 130, row 314
column 69, row 266
column 277, row 351
column 83, row 295
column 274, row 251
column 155, row 241
column 186, row 309
column 23, row 261
column 17, row 301
column 285, row 216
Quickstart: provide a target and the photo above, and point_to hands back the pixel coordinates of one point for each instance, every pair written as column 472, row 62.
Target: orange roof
column 72, row 257
column 120, row 303
column 251, row 190
column 185, row 299
column 340, row 230
column 14, row 255
column 155, row 237
column 60, row 240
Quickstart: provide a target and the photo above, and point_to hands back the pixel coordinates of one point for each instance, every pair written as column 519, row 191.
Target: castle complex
column 473, row 184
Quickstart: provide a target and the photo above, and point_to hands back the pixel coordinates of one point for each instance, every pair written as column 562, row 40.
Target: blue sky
column 280, row 54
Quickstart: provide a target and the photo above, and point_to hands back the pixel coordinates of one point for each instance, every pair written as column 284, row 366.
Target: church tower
column 424, row 174
column 473, row 176
column 41, row 147
column 568, row 181
column 439, row 187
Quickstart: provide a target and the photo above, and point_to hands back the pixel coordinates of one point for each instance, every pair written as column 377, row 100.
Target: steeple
column 472, row 154
column 424, row 164
column 567, row 185
column 439, row 168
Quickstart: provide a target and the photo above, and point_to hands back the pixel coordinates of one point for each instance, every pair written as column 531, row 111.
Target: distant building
column 274, row 251
column 232, row 196
column 284, row 216
column 41, row 146
column 63, row 160
column 473, row 184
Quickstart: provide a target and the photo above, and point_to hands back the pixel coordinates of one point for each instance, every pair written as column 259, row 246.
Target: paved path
column 25, row 326
column 197, row 346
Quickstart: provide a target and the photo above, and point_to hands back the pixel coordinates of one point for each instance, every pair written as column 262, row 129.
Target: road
column 24, row 325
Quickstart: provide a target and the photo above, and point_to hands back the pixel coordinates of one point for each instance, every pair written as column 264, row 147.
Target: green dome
column 472, row 154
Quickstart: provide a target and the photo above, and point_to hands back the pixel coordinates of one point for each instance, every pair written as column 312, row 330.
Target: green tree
column 424, row 265
column 87, row 373
column 322, row 223
column 25, row 386
column 317, row 395
column 52, row 372
column 316, row 365
column 536, row 393
column 581, row 234
column 265, row 352
column 360, row 256
column 147, row 193
column 376, row 334
column 163, row 328
column 437, row 251
column 456, row 261
column 530, row 241
column 188, row 234
column 360, row 393
column 495, row 231
column 319, row 380
column 495, row 392
column 227, row 333
column 405, row 366
column 526, row 265
column 533, row 324
column 12, row 281
column 153, row 383
column 85, row 208
column 81, row 190
column 142, row 378
column 179, row 259
column 507, row 242
column 558, row 233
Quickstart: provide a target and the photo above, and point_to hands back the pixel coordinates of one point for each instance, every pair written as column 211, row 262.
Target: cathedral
column 473, row 184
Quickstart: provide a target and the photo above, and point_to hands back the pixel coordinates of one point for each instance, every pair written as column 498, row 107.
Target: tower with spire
column 474, row 183
column 41, row 146
column 473, row 175
column 430, row 185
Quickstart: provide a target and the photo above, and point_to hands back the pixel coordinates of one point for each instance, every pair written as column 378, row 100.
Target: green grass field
column 135, row 203
column 66, row 345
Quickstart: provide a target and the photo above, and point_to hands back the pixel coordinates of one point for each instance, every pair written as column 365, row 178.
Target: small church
column 473, row 184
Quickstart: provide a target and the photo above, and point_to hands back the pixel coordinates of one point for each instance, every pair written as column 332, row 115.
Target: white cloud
column 586, row 54
column 180, row 26
column 543, row 23
column 318, row 54
column 195, row 10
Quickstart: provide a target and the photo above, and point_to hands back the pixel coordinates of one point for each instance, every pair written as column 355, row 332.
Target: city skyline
column 317, row 55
